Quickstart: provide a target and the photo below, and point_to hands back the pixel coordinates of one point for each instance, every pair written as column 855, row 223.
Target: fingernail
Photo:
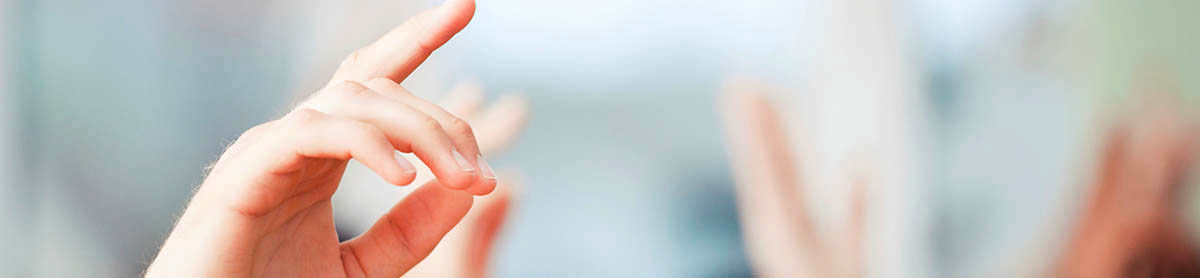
column 462, row 161
column 485, row 168
column 404, row 164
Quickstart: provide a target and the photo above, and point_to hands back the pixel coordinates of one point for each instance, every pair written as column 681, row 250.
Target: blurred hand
column 780, row 238
column 1132, row 225
column 264, row 210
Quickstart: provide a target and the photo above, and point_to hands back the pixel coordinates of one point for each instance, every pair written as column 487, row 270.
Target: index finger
column 400, row 51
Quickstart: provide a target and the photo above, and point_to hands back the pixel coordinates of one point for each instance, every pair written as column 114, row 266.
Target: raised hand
column 264, row 210
column 1132, row 224
column 780, row 237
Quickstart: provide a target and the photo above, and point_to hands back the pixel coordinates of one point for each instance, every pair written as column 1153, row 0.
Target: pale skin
column 1132, row 222
column 780, row 237
column 1131, row 225
column 264, row 210
column 465, row 251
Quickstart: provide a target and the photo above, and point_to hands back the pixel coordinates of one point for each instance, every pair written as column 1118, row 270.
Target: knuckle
column 302, row 117
column 251, row 136
column 429, row 124
column 459, row 127
column 352, row 89
column 340, row 97
column 425, row 46
column 258, row 130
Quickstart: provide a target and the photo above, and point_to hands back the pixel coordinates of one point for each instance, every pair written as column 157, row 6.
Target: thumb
column 466, row 251
column 407, row 233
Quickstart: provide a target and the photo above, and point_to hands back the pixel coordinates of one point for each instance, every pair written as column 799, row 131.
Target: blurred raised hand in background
column 779, row 233
column 1133, row 221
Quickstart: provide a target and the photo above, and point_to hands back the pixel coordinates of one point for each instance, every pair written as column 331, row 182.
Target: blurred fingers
column 1112, row 163
column 501, row 123
column 486, row 220
column 776, row 230
column 853, row 255
column 464, row 100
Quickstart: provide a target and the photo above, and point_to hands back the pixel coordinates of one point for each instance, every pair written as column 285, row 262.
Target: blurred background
column 982, row 121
